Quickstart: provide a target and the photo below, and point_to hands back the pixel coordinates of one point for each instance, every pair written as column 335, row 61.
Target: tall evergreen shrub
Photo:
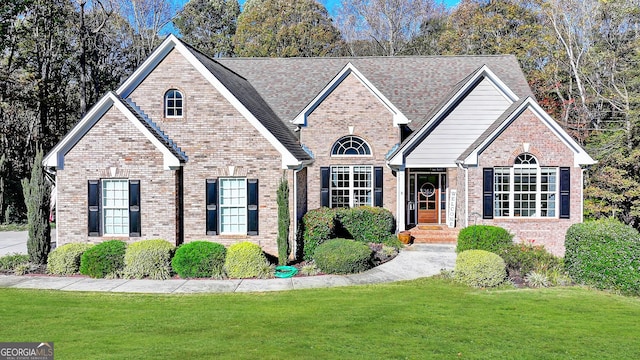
column 37, row 192
column 283, row 221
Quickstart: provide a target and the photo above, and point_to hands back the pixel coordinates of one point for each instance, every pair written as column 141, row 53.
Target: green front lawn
column 422, row 319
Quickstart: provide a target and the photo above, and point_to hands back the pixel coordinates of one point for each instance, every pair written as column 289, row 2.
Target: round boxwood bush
column 480, row 268
column 104, row 259
column 65, row 260
column 484, row 237
column 245, row 260
column 604, row 254
column 199, row 259
column 148, row 258
column 342, row 256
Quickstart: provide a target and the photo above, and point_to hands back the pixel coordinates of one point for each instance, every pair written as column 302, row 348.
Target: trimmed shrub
column 104, row 259
column 148, row 258
column 65, row 260
column 366, row 224
column 199, row 259
column 318, row 226
column 342, row 256
column 245, row 260
column 604, row 254
column 480, row 268
column 521, row 259
column 484, row 237
column 8, row 263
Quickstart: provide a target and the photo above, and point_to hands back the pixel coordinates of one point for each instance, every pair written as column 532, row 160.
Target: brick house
column 190, row 148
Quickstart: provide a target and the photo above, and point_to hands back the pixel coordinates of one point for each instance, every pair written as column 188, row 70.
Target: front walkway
column 415, row 261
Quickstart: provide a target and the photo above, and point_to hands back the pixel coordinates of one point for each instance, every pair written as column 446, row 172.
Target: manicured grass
column 14, row 227
column 423, row 319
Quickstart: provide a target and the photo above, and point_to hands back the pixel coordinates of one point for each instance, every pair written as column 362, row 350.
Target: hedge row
column 365, row 224
column 158, row 259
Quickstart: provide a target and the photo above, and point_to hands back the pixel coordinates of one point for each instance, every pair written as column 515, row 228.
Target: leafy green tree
column 37, row 192
column 285, row 28
column 209, row 25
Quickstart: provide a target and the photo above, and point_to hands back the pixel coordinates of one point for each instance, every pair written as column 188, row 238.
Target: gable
column 234, row 88
column 463, row 116
column 526, row 124
column 460, row 128
column 172, row 155
column 348, row 76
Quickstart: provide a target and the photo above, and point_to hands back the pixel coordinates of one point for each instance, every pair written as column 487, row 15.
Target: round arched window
column 350, row 146
column 173, row 103
column 526, row 159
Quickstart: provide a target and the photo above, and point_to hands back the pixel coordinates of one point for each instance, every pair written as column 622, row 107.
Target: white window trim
column 166, row 104
column 538, row 192
column 104, row 207
column 351, row 188
column 221, row 206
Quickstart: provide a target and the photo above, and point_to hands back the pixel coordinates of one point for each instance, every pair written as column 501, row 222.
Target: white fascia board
column 172, row 42
column 171, row 162
column 147, row 66
column 55, row 158
column 484, row 71
column 288, row 159
column 580, row 155
column 398, row 117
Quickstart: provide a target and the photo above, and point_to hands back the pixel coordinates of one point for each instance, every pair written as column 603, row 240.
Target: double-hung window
column 525, row 189
column 231, row 206
column 114, row 207
column 351, row 186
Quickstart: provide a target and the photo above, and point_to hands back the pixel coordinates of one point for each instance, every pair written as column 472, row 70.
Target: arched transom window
column 173, row 103
column 350, row 146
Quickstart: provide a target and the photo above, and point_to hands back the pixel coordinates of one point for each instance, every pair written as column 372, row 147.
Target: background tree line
column 58, row 57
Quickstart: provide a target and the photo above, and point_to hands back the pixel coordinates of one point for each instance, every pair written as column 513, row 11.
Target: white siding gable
column 475, row 113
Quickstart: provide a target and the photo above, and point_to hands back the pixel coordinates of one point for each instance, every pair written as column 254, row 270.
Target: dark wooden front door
column 428, row 198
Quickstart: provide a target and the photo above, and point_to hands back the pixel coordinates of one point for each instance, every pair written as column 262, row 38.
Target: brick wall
column 550, row 151
column 215, row 137
column 350, row 104
column 114, row 142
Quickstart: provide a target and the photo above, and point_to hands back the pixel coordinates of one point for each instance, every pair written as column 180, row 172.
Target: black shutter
column 565, row 192
column 94, row 208
column 377, row 187
column 134, row 208
column 252, row 206
column 212, row 206
column 487, row 193
column 325, row 173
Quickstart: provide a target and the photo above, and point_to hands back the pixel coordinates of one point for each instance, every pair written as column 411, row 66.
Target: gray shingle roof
column 414, row 84
column 153, row 128
column 249, row 97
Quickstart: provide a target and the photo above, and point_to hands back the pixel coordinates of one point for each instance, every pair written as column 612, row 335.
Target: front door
column 428, row 198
